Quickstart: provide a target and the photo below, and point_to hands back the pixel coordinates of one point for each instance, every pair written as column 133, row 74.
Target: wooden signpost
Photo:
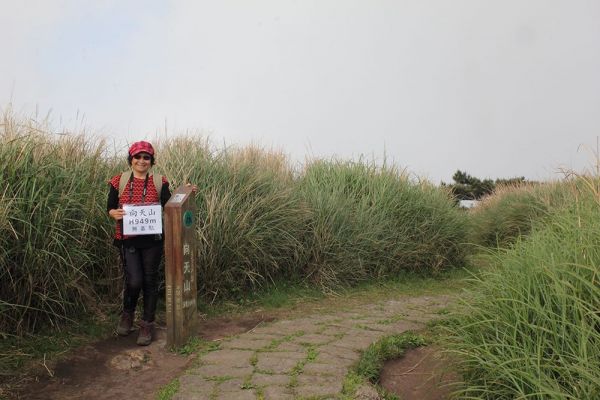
column 180, row 266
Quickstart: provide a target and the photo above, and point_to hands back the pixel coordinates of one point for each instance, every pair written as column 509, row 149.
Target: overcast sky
column 497, row 88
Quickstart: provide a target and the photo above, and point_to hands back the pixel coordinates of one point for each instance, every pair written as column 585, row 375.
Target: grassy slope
column 533, row 329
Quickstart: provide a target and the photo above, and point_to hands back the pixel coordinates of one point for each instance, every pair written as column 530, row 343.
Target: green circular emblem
column 188, row 218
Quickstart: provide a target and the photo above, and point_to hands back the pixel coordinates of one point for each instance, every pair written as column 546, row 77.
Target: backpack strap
column 156, row 179
column 123, row 181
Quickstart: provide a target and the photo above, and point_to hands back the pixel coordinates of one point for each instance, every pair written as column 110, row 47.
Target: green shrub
column 370, row 222
column 512, row 211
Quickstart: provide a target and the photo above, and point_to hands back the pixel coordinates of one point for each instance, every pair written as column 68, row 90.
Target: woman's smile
column 141, row 163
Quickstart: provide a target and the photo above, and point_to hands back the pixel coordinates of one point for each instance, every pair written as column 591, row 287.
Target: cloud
column 498, row 89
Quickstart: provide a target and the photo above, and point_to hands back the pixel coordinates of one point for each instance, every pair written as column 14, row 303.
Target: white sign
column 142, row 219
column 178, row 198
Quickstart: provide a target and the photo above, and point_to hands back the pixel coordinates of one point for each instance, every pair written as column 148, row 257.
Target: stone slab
column 276, row 365
column 277, row 393
column 313, row 338
column 318, row 386
column 231, row 385
column 355, row 342
column 238, row 395
column 197, row 382
column 290, row 347
column 243, row 343
column 337, row 361
column 325, row 369
column 222, row 371
column 253, row 335
column 229, row 357
column 334, row 331
column 270, row 380
column 333, row 352
column 288, row 355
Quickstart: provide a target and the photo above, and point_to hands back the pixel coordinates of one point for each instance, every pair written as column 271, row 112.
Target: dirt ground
column 423, row 373
column 118, row 368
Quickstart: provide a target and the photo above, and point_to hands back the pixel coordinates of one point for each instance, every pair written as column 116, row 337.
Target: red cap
column 141, row 147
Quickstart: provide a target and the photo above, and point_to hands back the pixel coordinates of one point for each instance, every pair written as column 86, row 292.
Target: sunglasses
column 145, row 157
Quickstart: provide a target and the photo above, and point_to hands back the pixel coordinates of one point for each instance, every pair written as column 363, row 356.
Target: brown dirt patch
column 423, row 373
column 118, row 368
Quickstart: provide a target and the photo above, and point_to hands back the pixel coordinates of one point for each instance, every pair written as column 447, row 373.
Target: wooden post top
column 179, row 196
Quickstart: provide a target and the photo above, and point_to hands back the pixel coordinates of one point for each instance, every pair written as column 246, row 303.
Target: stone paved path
column 304, row 358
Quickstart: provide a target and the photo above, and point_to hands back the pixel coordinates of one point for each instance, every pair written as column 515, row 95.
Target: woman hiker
column 140, row 254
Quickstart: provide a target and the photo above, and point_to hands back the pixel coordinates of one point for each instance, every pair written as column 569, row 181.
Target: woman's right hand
column 117, row 213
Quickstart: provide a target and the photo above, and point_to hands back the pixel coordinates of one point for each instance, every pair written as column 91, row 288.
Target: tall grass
column 512, row 211
column 53, row 258
column 332, row 224
column 368, row 221
column 532, row 329
column 250, row 222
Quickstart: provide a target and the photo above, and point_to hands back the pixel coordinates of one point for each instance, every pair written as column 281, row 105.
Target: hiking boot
column 125, row 324
column 145, row 333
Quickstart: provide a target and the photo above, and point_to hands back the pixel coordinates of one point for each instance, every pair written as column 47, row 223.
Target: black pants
column 141, row 273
